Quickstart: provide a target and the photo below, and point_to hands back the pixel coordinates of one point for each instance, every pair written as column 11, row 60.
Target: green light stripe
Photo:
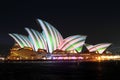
column 73, row 45
column 79, row 49
column 69, row 39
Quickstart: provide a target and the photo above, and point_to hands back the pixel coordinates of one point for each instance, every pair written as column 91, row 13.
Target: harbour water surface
column 37, row 70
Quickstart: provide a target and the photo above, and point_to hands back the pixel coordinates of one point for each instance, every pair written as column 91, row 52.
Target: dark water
column 109, row 70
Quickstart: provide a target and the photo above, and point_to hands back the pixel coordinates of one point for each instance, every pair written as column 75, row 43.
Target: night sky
column 100, row 22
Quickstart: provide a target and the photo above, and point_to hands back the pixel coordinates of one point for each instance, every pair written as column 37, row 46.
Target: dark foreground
column 109, row 70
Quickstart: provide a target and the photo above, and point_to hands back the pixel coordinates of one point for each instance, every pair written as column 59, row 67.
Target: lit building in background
column 50, row 44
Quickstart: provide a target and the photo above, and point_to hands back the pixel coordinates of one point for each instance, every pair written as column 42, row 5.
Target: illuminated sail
column 100, row 48
column 52, row 36
column 91, row 48
column 72, row 43
column 21, row 40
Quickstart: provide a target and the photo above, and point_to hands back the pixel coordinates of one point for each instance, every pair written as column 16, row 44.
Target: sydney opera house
column 50, row 44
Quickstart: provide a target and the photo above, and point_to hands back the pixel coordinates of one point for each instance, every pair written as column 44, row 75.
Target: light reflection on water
column 60, row 71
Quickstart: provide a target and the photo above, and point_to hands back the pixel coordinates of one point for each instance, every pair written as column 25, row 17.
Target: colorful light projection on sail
column 73, row 43
column 52, row 36
column 100, row 48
